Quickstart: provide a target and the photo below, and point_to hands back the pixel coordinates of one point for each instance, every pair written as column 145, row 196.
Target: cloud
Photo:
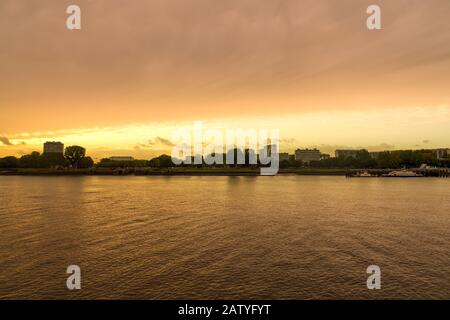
column 158, row 141
column 5, row 141
column 288, row 140
column 244, row 57
column 164, row 142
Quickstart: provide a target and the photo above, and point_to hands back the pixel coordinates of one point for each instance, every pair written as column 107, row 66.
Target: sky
column 138, row 70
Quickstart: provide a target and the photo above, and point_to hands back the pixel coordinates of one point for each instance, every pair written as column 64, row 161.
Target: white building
column 442, row 153
column 283, row 156
column 346, row 153
column 376, row 154
column 307, row 155
column 53, row 147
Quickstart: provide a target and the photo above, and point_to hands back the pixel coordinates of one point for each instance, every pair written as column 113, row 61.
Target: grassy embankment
column 168, row 171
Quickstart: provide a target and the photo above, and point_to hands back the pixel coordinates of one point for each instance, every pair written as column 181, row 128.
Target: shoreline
column 207, row 172
column 168, row 172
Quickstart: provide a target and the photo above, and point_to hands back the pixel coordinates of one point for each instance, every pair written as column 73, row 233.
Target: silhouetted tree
column 86, row 163
column 74, row 154
column 9, row 162
column 32, row 160
column 163, row 161
column 50, row 160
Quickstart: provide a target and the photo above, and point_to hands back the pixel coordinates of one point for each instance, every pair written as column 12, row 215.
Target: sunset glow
column 138, row 70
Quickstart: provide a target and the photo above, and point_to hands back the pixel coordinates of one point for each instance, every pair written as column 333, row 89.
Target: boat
column 402, row 174
column 363, row 174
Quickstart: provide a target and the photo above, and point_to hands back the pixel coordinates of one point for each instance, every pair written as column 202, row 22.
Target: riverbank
column 183, row 171
column 167, row 172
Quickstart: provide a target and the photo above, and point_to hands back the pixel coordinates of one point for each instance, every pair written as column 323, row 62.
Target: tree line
column 74, row 157
column 384, row 160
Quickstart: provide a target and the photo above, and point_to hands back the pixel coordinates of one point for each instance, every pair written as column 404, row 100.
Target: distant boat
column 402, row 174
column 364, row 174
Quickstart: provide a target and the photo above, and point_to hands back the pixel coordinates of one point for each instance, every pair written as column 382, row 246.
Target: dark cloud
column 164, row 142
column 158, row 141
column 5, row 141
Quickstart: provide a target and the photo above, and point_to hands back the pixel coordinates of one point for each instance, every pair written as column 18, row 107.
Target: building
column 53, row 147
column 307, row 155
column 120, row 158
column 442, row 153
column 346, row 153
column 376, row 154
column 269, row 148
column 283, row 156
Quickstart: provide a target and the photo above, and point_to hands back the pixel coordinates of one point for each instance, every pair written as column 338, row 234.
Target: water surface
column 284, row 237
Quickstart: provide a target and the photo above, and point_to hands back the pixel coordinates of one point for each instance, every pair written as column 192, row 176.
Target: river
column 191, row 237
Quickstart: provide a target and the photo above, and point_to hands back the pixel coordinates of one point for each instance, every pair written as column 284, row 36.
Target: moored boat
column 402, row 174
column 363, row 174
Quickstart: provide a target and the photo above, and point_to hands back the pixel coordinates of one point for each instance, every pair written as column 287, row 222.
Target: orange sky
column 138, row 68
